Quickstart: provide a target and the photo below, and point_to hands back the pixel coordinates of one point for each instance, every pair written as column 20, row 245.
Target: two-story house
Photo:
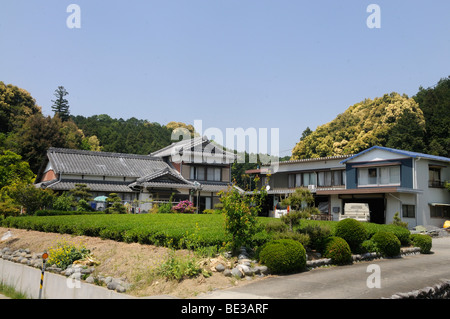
column 198, row 175
column 388, row 180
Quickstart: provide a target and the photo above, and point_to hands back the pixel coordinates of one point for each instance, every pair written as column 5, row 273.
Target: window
column 197, row 173
column 337, row 178
column 434, row 177
column 378, row 176
column 309, row 179
column 409, row 211
column 440, row 211
column 213, row 173
column 324, row 178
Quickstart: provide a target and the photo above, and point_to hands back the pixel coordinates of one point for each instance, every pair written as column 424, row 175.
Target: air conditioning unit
column 312, row 188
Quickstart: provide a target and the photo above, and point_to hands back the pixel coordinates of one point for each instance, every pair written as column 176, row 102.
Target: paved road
column 350, row 282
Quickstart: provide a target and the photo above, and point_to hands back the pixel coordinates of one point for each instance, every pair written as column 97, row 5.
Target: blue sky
column 284, row 64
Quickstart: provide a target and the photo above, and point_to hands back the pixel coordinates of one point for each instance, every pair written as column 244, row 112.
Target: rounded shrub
column 387, row 243
column 283, row 256
column 352, row 231
column 424, row 242
column 338, row 250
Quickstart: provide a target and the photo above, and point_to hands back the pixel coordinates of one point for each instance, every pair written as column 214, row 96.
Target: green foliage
column 63, row 202
column 400, row 232
column 386, row 243
column 115, row 205
column 30, row 197
column 241, row 211
column 292, row 219
column 14, row 170
column 299, row 200
column 352, row 231
column 435, row 104
column 81, row 191
column 424, row 242
column 132, row 136
column 16, row 105
column 318, row 235
column 165, row 208
column 365, row 124
column 338, row 250
column 61, row 105
column 170, row 230
column 283, row 256
column 398, row 222
column 178, row 268
column 52, row 212
column 63, row 254
column 301, row 238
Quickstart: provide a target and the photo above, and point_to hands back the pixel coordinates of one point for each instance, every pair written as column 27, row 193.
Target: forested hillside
column 420, row 123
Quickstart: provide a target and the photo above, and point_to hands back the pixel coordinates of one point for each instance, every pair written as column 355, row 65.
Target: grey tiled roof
column 194, row 146
column 68, row 161
column 94, row 186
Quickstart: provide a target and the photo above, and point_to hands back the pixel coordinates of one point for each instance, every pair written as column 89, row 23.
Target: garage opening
column 376, row 203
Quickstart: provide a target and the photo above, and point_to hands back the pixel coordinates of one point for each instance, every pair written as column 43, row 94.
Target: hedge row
column 170, row 230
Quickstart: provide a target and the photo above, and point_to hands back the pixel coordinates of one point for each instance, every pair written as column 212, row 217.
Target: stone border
column 312, row 264
column 438, row 291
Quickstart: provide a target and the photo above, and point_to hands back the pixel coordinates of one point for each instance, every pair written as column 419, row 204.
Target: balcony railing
column 436, row 184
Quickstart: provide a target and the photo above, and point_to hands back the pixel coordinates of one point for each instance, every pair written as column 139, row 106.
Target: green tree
column 115, row 205
column 61, row 105
column 63, row 202
column 435, row 105
column 81, row 191
column 241, row 210
column 30, row 197
column 14, row 170
column 16, row 105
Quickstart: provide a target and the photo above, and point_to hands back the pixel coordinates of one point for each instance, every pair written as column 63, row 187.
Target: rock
column 227, row 272
column 76, row 276
column 220, row 268
column 237, row 273
column 263, row 269
column 87, row 270
column 90, row 279
column 112, row 285
column 119, row 288
column 69, row 271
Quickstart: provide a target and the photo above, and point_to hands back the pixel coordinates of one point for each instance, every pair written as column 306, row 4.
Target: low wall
column 438, row 291
column 26, row 279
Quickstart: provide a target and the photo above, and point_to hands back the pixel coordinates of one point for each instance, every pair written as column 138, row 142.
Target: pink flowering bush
column 184, row 207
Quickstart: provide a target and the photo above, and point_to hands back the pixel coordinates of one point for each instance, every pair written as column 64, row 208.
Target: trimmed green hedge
column 352, row 231
column 283, row 256
column 424, row 242
column 338, row 250
column 386, row 243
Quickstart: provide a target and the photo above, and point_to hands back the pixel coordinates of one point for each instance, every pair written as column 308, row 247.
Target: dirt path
column 133, row 262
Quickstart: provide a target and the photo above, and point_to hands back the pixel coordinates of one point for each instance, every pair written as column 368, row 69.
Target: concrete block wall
column 26, row 279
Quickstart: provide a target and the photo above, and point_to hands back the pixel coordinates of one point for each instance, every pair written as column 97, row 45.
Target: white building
column 389, row 180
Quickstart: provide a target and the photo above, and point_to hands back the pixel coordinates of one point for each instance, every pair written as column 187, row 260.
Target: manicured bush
column 368, row 246
column 424, row 242
column 352, row 231
column 387, row 243
column 301, row 238
column 283, row 256
column 338, row 250
column 318, row 235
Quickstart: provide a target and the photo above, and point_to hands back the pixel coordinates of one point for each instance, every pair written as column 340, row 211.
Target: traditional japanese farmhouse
column 198, row 174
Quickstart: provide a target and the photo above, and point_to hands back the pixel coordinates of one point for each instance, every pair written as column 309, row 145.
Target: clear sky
column 284, row 64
